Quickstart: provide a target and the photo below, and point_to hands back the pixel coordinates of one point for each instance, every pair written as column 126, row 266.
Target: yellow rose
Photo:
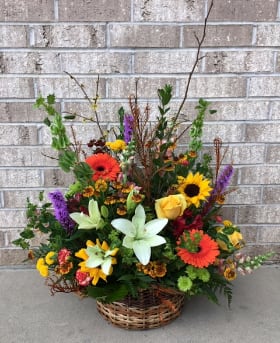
column 170, row 207
column 236, row 239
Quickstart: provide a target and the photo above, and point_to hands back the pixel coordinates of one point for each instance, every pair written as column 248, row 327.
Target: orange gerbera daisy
column 104, row 166
column 206, row 253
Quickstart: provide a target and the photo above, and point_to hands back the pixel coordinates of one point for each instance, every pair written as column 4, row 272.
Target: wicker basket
column 153, row 308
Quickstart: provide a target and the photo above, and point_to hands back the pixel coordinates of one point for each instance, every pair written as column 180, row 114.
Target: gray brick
column 147, row 87
column 218, row 35
column 13, row 36
column 244, row 196
column 184, row 11
column 64, row 87
column 269, row 234
column 70, row 36
column 228, row 132
column 27, row 156
column 21, row 10
column 271, row 194
column 2, row 239
column 264, row 86
column 275, row 110
column 241, row 109
column 214, row 86
column 57, row 178
column 261, row 214
column 152, row 36
column 256, row 175
column 273, row 154
column 239, row 61
column 15, row 87
column 278, row 62
column 96, row 62
column 24, row 178
column 30, row 62
column 18, row 135
column 83, row 133
column 12, row 256
column 268, row 35
column 107, row 111
column 164, row 62
column 12, row 218
column 263, row 132
column 240, row 10
column 245, row 154
column 21, row 112
column 98, row 10
column 18, row 198
column 250, row 233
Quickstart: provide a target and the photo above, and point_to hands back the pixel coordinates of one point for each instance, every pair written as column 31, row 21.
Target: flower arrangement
column 141, row 211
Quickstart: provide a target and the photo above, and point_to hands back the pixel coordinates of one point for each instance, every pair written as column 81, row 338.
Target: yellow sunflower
column 194, row 187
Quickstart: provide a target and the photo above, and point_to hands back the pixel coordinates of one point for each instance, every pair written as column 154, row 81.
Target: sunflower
column 194, row 188
column 104, row 166
column 207, row 249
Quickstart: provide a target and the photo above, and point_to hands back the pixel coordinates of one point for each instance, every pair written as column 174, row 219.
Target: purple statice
column 128, row 127
column 61, row 211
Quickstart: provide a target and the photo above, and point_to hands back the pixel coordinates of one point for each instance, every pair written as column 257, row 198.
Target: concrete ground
column 28, row 314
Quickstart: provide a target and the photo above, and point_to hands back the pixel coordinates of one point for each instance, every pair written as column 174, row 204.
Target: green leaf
column 108, row 293
column 70, row 117
column 51, row 99
column 47, row 122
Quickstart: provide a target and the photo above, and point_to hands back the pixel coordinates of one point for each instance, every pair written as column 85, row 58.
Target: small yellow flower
column 227, row 223
column 50, row 258
column 88, row 192
column 117, row 145
column 42, row 267
column 100, row 185
column 230, row 274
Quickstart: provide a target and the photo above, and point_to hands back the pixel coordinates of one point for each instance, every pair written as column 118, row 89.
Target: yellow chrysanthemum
column 42, row 267
column 117, row 145
column 50, row 258
column 194, row 187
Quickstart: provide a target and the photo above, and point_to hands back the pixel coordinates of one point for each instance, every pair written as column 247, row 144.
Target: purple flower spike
column 128, row 125
column 61, row 211
column 223, row 180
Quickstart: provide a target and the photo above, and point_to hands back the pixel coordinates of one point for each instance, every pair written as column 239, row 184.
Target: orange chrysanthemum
column 104, row 166
column 207, row 252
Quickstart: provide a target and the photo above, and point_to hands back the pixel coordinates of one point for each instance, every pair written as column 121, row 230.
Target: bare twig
column 197, row 59
column 93, row 104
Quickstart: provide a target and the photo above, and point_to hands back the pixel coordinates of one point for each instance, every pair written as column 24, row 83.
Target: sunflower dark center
column 100, row 168
column 191, row 190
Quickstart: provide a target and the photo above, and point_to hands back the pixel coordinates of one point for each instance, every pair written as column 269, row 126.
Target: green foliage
column 197, row 125
column 108, row 293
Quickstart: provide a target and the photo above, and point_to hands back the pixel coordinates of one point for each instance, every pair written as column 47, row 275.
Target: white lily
column 91, row 221
column 140, row 236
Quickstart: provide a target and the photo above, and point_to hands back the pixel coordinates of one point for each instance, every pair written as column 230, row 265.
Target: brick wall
column 152, row 40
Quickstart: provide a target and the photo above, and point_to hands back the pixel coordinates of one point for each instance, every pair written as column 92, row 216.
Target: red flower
column 63, row 256
column 82, row 278
column 207, row 253
column 104, row 166
column 187, row 222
